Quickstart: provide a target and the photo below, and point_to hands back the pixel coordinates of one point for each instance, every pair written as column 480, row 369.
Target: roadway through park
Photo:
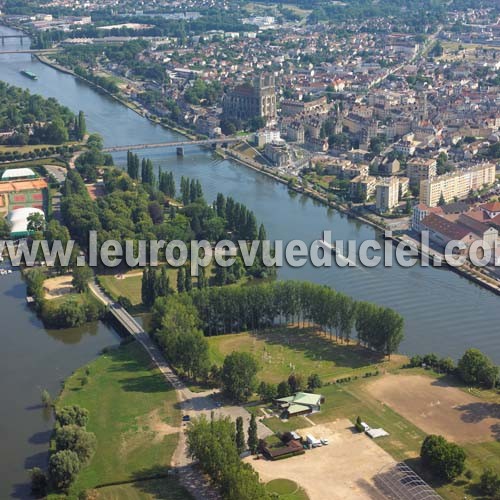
column 194, row 404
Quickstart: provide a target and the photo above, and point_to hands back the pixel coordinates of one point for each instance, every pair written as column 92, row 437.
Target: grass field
column 133, row 414
column 153, row 489
column 129, row 286
column 283, row 350
column 286, row 489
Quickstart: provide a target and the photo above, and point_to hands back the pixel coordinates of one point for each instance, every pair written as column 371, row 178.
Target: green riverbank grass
column 132, row 412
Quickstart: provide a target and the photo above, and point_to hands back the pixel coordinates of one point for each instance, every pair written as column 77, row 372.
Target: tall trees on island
column 235, row 309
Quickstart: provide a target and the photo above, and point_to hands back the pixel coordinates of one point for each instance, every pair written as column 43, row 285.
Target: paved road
column 192, row 404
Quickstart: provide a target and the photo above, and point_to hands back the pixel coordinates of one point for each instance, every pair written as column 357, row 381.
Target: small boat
column 29, row 74
column 332, row 248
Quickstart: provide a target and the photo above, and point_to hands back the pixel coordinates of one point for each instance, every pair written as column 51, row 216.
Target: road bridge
column 30, row 51
column 179, row 144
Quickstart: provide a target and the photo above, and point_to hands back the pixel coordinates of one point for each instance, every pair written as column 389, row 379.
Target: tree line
column 74, row 446
column 214, row 444
column 236, row 309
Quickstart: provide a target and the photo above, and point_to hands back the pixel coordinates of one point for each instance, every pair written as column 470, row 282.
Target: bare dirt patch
column 342, row 470
column 160, row 428
column 57, row 287
column 438, row 408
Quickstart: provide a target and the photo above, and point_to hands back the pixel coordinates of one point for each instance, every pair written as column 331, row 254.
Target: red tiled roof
column 493, row 206
column 451, row 230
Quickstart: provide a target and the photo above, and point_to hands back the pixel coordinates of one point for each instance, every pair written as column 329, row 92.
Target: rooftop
column 16, row 173
column 22, row 185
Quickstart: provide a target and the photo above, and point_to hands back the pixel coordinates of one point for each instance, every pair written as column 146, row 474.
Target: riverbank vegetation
column 69, row 310
column 133, row 414
column 34, row 120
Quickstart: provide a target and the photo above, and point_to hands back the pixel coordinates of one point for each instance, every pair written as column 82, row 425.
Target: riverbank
column 135, row 107
column 473, row 275
column 134, row 414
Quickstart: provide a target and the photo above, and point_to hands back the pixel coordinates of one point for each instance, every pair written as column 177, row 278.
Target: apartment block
column 457, row 184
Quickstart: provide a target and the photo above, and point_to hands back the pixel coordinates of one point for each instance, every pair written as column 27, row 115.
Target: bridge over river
column 179, row 144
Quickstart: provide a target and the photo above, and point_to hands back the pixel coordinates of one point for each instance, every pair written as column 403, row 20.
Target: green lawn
column 286, row 489
column 128, row 286
column 283, row 350
column 154, row 489
column 132, row 412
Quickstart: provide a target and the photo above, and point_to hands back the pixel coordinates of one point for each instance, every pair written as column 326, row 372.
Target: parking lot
column 343, row 470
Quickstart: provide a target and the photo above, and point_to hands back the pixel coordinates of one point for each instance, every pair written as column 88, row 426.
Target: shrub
column 358, row 425
column 72, row 415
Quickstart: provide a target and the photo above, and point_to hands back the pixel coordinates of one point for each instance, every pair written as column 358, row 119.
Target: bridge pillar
column 180, row 151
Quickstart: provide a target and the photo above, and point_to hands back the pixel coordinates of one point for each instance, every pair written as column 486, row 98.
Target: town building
column 456, row 184
column 252, row 100
column 386, row 194
column 301, row 403
column 362, row 187
column 23, row 193
column 277, row 153
column 421, row 169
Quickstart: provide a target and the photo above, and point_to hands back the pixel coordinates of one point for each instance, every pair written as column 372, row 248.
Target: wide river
column 443, row 312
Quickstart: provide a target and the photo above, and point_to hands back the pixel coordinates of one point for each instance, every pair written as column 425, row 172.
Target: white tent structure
column 18, row 173
column 18, row 221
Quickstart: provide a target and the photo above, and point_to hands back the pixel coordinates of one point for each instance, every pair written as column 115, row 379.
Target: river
column 443, row 312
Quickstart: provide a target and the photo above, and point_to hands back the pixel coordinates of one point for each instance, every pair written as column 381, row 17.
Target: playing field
column 282, row 351
column 438, row 408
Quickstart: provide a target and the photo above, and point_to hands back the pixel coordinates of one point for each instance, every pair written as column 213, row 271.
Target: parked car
column 186, row 418
column 324, row 441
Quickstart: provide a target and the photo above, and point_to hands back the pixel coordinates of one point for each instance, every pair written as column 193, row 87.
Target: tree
column 445, row 460
column 39, row 482
column 77, row 439
column 296, row 382
column 238, row 376
column 283, row 389
column 36, row 222
column 63, row 468
column 475, row 368
column 267, row 392
column 253, row 440
column 313, row 382
column 181, row 280
column 441, row 200
column 55, row 132
column 490, row 484
column 81, row 277
column 72, row 415
column 81, row 127
column 240, row 435
column 46, row 399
